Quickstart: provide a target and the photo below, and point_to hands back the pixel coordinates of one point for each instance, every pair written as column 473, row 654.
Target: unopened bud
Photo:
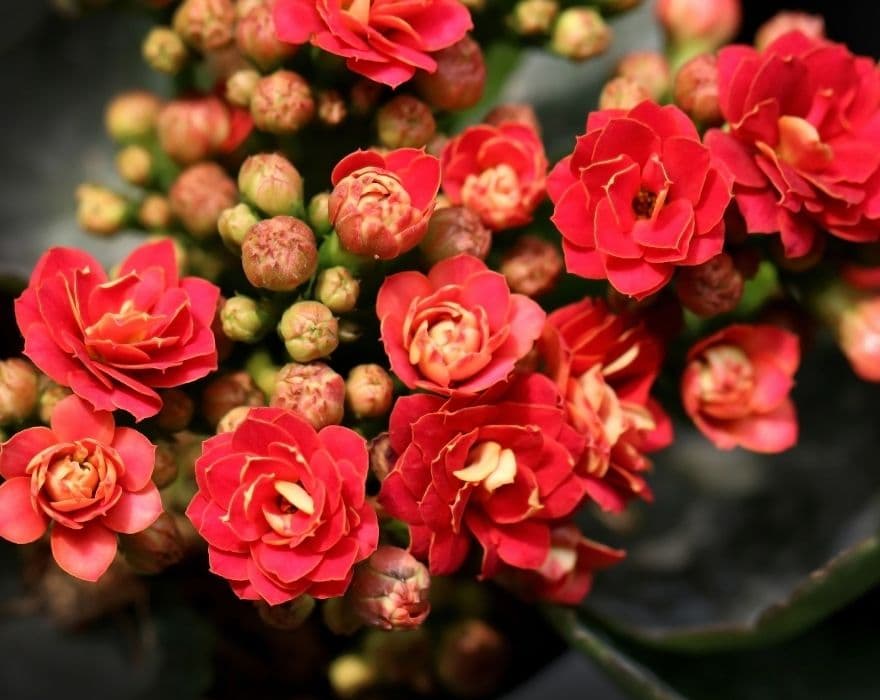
column 405, row 122
column 244, row 319
column 532, row 266
column 472, row 659
column 240, row 86
column 287, row 616
column 199, row 195
column 514, row 113
column 279, row 254
column 349, row 675
column 227, row 391
column 234, row 224
column 164, row 50
column 191, row 130
column 282, row 103
column 49, row 398
column 696, row 89
column 101, row 211
column 18, row 390
column 648, row 68
column 331, row 108
column 533, row 17
column 459, row 79
column 271, row 183
column 391, row 590
column 256, row 38
column 859, row 337
column 135, row 164
column 580, row 33
column 206, row 25
column 314, row 391
column 132, row 116
column 369, row 391
column 233, row 418
column 177, row 410
column 155, row 213
column 812, row 26
column 708, row 24
column 455, row 230
column 713, row 288
column 165, row 468
column 337, row 289
column 339, row 617
column 622, row 93
column 309, row 331
column 153, row 550
column 382, row 456
column 319, row 213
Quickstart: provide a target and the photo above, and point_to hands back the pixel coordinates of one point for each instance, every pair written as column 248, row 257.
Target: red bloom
column 639, row 195
column 87, row 477
column 498, row 469
column 736, row 387
column 384, row 40
column 605, row 365
column 457, row 331
column 497, row 171
column 804, row 139
column 113, row 342
column 283, row 508
column 381, row 204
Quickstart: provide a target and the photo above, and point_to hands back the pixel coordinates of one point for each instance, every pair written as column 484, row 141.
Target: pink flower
column 457, row 331
column 86, row 477
column 115, row 341
column 736, row 387
column 384, row 40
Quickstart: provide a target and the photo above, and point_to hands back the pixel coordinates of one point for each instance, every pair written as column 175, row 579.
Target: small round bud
column 282, row 103
column 859, row 337
column 155, row 213
column 256, row 39
column 533, row 17
column 709, row 23
column 309, row 331
column 198, row 196
column 812, row 26
column 164, row 50
column 369, row 391
column 233, row 418
column 132, row 116
column 349, row 675
column 391, row 590
column 696, row 89
column 279, row 254
column 405, row 122
column 382, row 456
column 532, row 266
column 713, row 288
column 135, row 164
column 364, row 96
column 331, row 108
column 514, row 113
column 459, row 79
column 622, row 93
column 177, row 410
column 314, row 391
column 227, row 391
column 240, row 86
column 472, row 659
column 153, row 550
column 319, row 213
column 18, row 390
column 165, row 467
column 191, row 130
column 244, row 319
column 337, row 289
column 101, row 211
column 234, row 224
column 580, row 33
column 287, row 616
column 271, row 183
column 49, row 398
column 206, row 25
column 339, row 618
column 648, row 68
column 455, row 230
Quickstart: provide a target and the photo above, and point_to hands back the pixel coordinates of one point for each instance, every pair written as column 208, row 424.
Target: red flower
column 736, row 387
column 804, row 139
column 497, row 469
column 639, row 195
column 283, row 508
column 605, row 365
column 87, row 477
column 384, row 40
column 457, row 331
column 381, row 204
column 113, row 342
column 499, row 172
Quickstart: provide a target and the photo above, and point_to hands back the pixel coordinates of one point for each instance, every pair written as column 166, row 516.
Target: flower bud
column 234, row 224
column 455, row 230
column 240, row 86
column 339, row 617
column 165, row 467
column 255, row 37
column 514, row 113
column 132, row 116
column 337, row 289
column 532, row 266
column 155, row 212
column 350, row 675
column 405, row 122
column 391, row 590
column 331, row 108
column 459, row 79
column 135, row 165
column 279, row 254
column 227, row 391
column 472, row 659
column 713, row 288
column 271, row 183
column 101, row 211
column 648, row 68
column 244, row 319
column 282, row 103
column 580, row 33
column 696, row 89
column 533, row 17
column 812, row 26
column 153, row 550
column 314, row 391
column 198, row 196
column 309, row 331
column 364, row 96
column 191, row 130
column 49, row 398
column 859, row 337
column 622, row 93
column 382, row 456
column 287, row 616
column 177, row 410
column 369, row 391
column 710, row 24
column 18, row 390
column 164, row 50
column 233, row 418
column 206, row 25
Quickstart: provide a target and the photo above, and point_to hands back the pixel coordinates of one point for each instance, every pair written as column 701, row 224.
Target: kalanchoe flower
column 802, row 143
column 390, row 590
column 458, row 330
column 282, row 103
column 369, row 391
column 455, row 231
column 199, row 195
column 245, row 319
column 384, row 40
column 648, row 68
column 18, row 390
column 283, row 507
column 225, row 392
column 337, row 289
column 580, row 33
column 164, row 50
column 696, row 89
column 114, row 342
column 154, row 549
column 205, row 25
column 622, row 93
column 736, row 387
column 782, row 23
column 314, row 391
column 256, row 38
column 271, row 183
column 706, row 24
column 713, row 288
column 532, row 266
column 498, row 171
column 279, row 254
column 309, row 331
column 100, row 211
column 459, row 80
column 405, row 122
column 380, row 204
column 87, row 478
column 132, row 116
column 233, row 225
column 639, row 196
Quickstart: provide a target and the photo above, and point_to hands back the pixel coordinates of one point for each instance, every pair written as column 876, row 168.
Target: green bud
column 309, row 331
column 244, row 319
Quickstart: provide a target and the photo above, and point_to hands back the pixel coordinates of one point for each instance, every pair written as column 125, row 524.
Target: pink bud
column 255, row 37
column 227, row 391
column 205, row 25
column 514, row 113
column 696, row 89
column 18, row 390
column 132, row 116
column 369, row 391
column 191, row 130
column 459, row 79
column 648, row 68
column 455, row 230
column 859, row 337
column 405, row 122
column 153, row 550
column 390, row 590
column 282, row 103
column 532, row 266
column 331, row 108
column 712, row 23
column 165, row 467
column 177, row 410
column 270, row 182
column 710, row 289
column 314, row 391
column 622, row 93
column 382, row 456
column 199, row 195
column 279, row 254
column 780, row 24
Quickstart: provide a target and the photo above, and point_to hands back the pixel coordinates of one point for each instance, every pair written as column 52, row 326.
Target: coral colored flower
column 604, row 365
column 497, row 469
column 115, row 341
column 457, row 331
column 381, row 204
column 736, row 387
column 383, row 40
column 639, row 195
column 803, row 142
column 85, row 477
column 499, row 172
column 283, row 508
